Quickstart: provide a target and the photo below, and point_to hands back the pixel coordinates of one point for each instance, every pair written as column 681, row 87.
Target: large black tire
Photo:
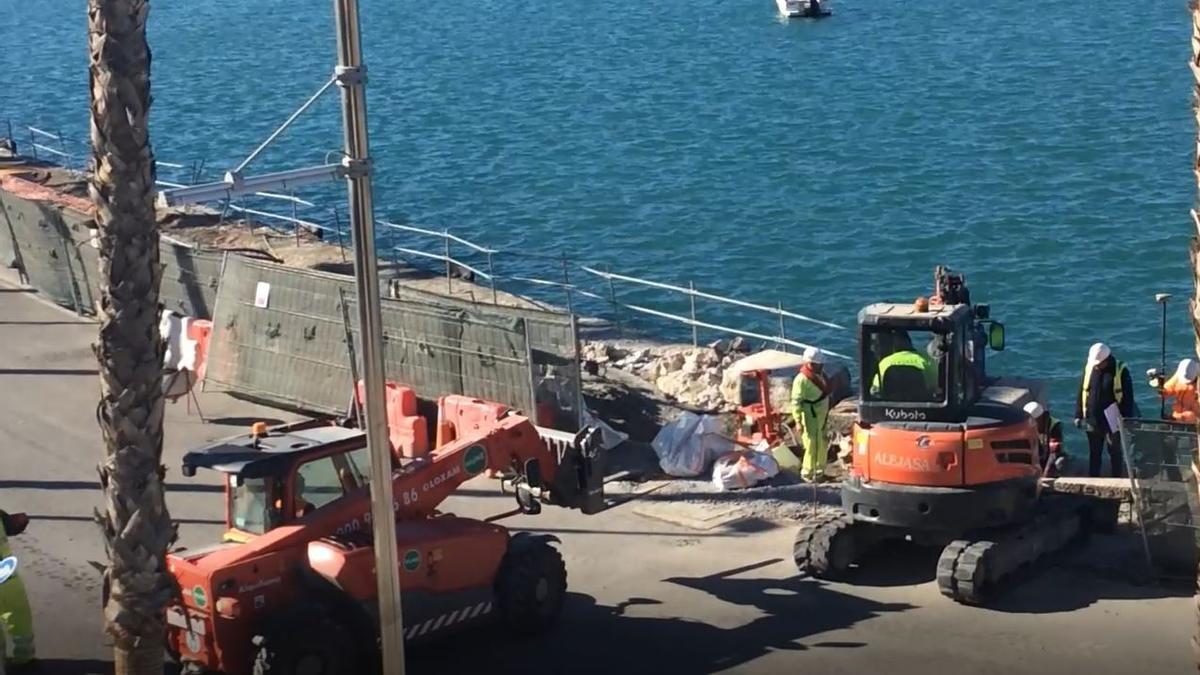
column 825, row 547
column 307, row 640
column 531, row 586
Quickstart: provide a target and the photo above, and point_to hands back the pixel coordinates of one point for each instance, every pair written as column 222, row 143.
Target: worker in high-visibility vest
column 1105, row 382
column 905, row 355
column 810, row 410
column 16, row 618
column 1050, row 439
column 1181, row 391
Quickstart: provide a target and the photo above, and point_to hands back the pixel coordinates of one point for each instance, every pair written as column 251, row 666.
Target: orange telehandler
column 292, row 586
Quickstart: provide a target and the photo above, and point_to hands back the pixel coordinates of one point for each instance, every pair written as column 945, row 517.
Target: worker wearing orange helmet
column 1180, row 389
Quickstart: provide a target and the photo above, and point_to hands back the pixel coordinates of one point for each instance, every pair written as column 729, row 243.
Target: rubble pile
column 691, row 376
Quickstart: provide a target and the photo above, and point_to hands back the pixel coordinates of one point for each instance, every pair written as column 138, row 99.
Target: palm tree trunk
column 1194, row 252
column 136, row 525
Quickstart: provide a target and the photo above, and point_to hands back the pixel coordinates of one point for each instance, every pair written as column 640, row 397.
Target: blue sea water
column 1043, row 148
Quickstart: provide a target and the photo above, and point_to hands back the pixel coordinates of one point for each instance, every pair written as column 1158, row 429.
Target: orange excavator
column 292, row 586
column 943, row 454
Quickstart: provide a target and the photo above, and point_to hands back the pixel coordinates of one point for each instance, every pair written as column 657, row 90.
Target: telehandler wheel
column 531, row 586
column 308, row 640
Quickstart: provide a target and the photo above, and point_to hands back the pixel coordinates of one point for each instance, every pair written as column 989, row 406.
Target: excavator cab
column 943, row 454
column 922, row 363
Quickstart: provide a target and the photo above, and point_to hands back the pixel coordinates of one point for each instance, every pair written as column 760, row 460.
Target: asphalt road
column 646, row 596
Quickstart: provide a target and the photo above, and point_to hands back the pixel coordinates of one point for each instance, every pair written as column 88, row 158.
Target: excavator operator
column 904, row 355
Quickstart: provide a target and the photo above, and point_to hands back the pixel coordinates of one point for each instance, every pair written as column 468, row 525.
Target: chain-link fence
column 1159, row 455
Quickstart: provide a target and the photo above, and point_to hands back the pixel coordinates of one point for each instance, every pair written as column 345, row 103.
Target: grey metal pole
column 692, row 301
column 351, row 76
column 295, row 219
column 782, row 330
column 492, row 278
column 567, row 284
column 446, row 241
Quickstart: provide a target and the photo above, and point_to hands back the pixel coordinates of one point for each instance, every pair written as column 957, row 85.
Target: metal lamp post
column 355, row 168
column 351, row 79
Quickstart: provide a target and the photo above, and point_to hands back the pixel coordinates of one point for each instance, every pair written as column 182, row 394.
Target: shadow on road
column 73, row 667
column 1109, row 567
column 243, row 421
column 89, row 485
column 791, row 610
column 635, row 533
column 49, row 371
column 46, row 323
column 88, row 519
column 896, row 563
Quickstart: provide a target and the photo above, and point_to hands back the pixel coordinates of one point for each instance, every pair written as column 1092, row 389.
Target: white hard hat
column 1098, row 353
column 1034, row 409
column 813, row 355
column 1187, row 370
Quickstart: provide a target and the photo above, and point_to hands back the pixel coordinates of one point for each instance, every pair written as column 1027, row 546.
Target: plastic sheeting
column 689, row 444
column 739, row 470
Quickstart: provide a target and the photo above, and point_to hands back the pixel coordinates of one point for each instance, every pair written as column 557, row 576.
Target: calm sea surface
column 1043, row 148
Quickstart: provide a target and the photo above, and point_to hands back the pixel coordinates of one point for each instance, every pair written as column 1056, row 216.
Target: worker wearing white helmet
column 1181, row 391
column 1105, row 383
column 1050, row 438
column 810, row 410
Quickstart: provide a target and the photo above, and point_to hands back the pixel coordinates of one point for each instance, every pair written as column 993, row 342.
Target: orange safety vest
column 1186, row 406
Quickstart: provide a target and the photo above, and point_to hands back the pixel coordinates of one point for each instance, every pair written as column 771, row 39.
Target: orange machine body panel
column 439, row 555
column 962, row 457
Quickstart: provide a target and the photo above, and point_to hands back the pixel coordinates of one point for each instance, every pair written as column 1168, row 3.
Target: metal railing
column 569, row 290
column 36, row 133
column 486, row 261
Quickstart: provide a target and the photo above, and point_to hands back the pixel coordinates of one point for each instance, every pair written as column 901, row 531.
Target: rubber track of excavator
column 964, row 569
column 814, row 543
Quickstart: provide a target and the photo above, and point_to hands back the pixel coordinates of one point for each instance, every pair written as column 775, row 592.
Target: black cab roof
column 249, row 457
column 905, row 315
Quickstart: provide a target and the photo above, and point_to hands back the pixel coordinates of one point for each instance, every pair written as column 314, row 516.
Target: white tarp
column 738, row 470
column 687, row 445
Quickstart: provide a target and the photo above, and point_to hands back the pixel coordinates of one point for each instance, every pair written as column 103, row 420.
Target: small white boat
column 804, row 9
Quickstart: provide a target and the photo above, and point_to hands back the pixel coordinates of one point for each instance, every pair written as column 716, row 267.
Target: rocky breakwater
column 639, row 386
column 693, row 377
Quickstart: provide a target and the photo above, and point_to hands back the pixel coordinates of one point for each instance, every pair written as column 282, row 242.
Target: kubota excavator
column 292, row 588
column 943, row 454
